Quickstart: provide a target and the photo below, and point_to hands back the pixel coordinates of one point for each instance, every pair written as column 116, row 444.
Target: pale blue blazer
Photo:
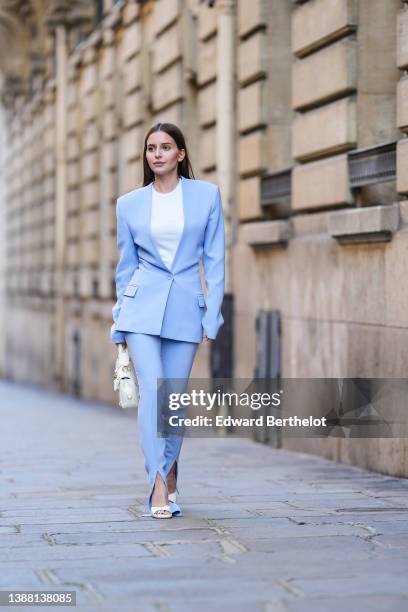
column 153, row 299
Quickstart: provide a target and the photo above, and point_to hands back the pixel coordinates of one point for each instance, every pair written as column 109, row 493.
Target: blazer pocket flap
column 201, row 300
column 130, row 290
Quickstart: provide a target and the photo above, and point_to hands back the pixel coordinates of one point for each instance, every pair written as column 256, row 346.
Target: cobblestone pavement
column 263, row 529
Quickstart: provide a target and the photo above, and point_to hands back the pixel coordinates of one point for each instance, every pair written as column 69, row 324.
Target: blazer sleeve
column 127, row 264
column 214, row 267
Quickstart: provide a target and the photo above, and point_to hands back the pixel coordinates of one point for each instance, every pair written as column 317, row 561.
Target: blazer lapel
column 178, row 257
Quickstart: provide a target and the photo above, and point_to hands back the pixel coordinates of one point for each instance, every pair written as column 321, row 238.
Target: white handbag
column 125, row 380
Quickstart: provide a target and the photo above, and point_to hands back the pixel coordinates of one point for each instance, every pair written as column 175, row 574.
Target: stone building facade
column 297, row 109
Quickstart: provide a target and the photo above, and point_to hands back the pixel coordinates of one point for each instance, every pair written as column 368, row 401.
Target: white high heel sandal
column 156, row 509
column 171, row 497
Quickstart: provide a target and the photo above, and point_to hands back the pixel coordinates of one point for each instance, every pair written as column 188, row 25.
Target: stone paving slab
column 263, row 529
column 356, row 603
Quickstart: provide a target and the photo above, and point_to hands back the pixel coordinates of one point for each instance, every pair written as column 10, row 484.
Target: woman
column 163, row 228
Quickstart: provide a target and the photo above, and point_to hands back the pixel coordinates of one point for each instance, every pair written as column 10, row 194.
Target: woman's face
column 162, row 153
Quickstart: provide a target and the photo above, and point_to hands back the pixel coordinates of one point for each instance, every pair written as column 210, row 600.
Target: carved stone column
column 225, row 133
column 221, row 359
column 57, row 23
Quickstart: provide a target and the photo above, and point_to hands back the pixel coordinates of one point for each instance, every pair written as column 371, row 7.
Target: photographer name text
column 260, row 421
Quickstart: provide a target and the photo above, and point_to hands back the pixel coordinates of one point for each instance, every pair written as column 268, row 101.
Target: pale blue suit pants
column 156, row 357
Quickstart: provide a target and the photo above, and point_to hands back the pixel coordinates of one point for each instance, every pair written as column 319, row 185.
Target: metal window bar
column 371, row 165
column 268, row 367
column 275, row 186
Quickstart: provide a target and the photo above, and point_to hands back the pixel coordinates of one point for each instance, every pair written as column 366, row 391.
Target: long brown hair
column 184, row 167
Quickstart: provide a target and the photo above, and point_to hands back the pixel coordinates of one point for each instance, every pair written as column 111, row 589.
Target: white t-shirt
column 167, row 222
